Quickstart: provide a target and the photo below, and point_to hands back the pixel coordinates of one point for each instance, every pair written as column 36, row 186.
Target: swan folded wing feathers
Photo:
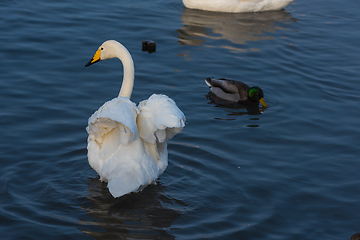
column 119, row 112
column 159, row 119
column 145, row 123
column 113, row 124
column 169, row 123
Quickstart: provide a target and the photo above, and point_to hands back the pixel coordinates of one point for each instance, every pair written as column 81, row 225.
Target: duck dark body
column 356, row 236
column 231, row 90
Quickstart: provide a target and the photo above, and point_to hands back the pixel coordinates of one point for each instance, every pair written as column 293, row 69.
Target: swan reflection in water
column 239, row 28
column 141, row 215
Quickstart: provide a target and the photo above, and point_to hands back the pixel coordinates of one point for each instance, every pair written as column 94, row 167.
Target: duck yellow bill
column 262, row 101
column 95, row 59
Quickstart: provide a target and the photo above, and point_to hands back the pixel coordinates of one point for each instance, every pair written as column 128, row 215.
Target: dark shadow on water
column 201, row 26
column 142, row 215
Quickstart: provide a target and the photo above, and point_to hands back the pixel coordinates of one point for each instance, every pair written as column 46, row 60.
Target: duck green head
column 256, row 94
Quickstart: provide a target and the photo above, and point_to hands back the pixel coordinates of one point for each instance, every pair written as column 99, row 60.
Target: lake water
column 290, row 171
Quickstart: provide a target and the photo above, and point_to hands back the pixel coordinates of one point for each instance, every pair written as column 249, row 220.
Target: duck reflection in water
column 134, row 216
column 239, row 28
column 235, row 109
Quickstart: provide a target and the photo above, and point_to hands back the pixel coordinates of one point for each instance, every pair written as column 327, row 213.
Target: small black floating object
column 148, row 46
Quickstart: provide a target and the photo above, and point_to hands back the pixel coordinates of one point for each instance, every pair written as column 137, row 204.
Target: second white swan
column 237, row 6
column 127, row 145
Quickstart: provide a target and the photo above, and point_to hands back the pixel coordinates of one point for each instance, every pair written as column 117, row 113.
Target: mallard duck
column 127, row 145
column 356, row 236
column 235, row 91
column 237, row 6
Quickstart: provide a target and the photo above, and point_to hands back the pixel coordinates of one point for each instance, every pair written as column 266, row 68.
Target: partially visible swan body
column 237, row 6
column 127, row 145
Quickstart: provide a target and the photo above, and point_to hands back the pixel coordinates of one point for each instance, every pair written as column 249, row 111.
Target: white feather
column 159, row 118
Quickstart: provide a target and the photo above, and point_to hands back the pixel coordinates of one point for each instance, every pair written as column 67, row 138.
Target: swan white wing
column 113, row 124
column 159, row 119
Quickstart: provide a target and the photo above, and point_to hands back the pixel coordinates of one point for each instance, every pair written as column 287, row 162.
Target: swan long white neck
column 119, row 51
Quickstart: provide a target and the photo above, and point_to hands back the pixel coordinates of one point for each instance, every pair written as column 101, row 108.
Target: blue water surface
column 290, row 171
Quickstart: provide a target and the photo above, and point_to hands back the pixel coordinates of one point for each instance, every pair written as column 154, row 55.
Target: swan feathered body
column 127, row 145
column 237, row 6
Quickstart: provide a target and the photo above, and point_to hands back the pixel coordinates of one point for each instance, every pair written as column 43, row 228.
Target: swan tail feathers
column 129, row 177
column 125, row 184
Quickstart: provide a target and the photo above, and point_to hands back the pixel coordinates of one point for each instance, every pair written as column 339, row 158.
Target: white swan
column 127, row 145
column 237, row 6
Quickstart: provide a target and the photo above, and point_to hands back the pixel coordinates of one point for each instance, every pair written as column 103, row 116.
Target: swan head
column 257, row 94
column 113, row 49
column 105, row 51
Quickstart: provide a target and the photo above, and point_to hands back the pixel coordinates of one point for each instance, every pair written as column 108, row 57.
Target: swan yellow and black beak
column 262, row 101
column 95, row 59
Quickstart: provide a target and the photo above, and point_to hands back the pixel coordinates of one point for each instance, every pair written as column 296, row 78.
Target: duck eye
column 102, row 48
